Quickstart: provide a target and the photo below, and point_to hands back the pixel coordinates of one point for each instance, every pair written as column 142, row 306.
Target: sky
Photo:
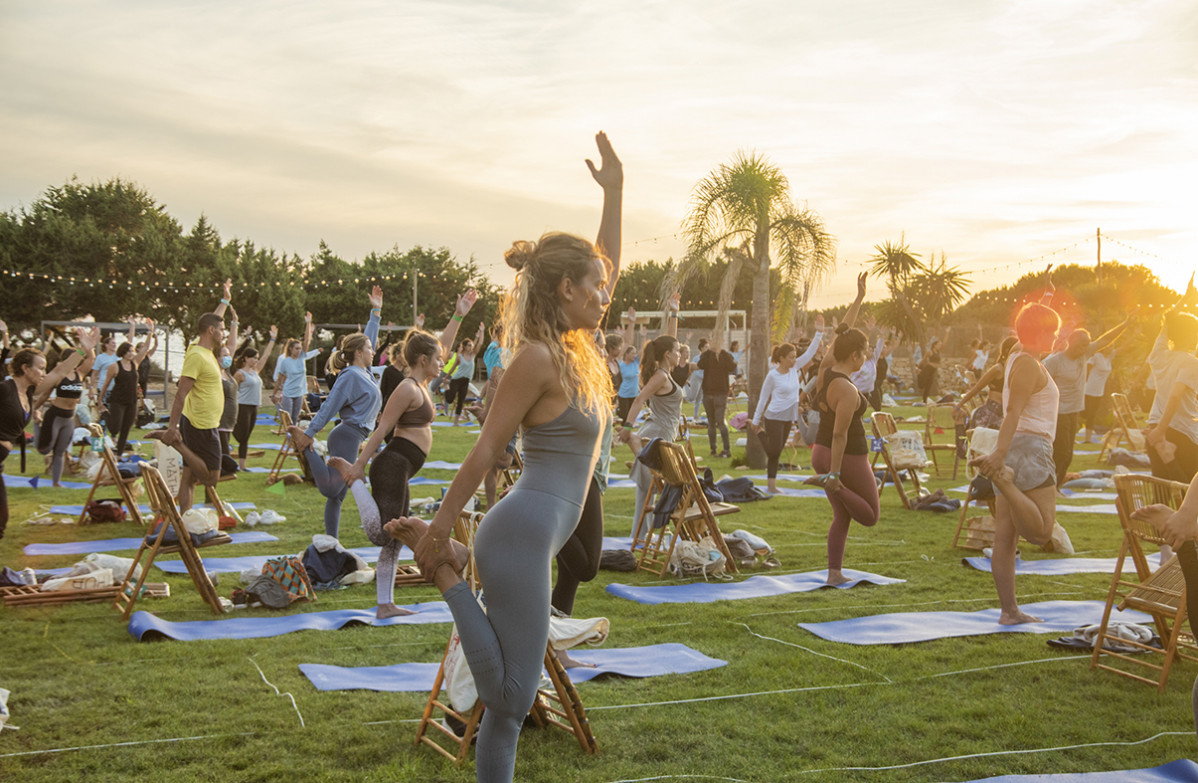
column 999, row 134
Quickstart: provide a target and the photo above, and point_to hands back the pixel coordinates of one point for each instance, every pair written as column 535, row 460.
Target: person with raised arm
column 1021, row 465
column 407, row 419
column 989, row 414
column 121, row 379
column 356, row 399
column 247, row 368
column 558, row 389
column 291, row 373
column 778, row 403
column 840, row 454
column 716, row 365
column 463, row 373
column 66, row 382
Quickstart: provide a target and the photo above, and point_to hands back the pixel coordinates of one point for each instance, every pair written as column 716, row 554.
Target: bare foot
column 57, row 485
column 1017, row 617
column 836, row 577
column 391, row 610
column 349, row 471
column 1156, row 515
column 298, row 436
column 573, row 663
column 410, row 530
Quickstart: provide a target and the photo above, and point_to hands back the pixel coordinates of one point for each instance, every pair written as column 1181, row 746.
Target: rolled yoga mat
column 760, row 586
column 121, row 544
column 144, row 626
column 907, row 627
column 652, row 661
column 1181, row 771
column 1063, row 565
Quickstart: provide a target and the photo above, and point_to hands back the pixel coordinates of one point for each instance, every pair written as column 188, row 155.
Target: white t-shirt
column 1100, row 370
column 1169, row 368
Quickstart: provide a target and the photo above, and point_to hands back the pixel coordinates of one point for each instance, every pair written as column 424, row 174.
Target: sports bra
column 417, row 417
column 69, row 388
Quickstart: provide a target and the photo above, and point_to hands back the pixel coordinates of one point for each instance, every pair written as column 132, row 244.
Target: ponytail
column 651, row 355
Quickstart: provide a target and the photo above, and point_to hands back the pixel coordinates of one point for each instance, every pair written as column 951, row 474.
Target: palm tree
column 898, row 265
column 939, row 289
column 743, row 208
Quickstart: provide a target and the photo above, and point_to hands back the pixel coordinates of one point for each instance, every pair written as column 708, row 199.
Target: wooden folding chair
column 693, row 518
column 508, row 476
column 1160, row 593
column 166, row 513
column 560, row 706
column 1125, row 430
column 978, row 531
column 287, row 450
column 110, row 474
column 883, row 428
column 940, row 424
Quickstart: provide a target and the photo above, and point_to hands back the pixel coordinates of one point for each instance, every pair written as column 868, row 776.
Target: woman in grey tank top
column 557, row 387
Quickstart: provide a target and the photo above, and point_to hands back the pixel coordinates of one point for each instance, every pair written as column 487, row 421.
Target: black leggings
column 1185, row 462
column 578, row 560
column 458, row 389
column 121, row 415
column 3, row 492
column 247, row 415
column 773, row 441
column 390, row 472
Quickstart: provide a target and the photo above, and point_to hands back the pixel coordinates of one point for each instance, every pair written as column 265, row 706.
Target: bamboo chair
column 1126, row 429
column 883, row 428
column 107, row 474
column 508, row 476
column 693, row 518
column 286, row 450
column 940, row 417
column 1160, row 593
column 976, row 534
column 167, row 513
column 559, row 707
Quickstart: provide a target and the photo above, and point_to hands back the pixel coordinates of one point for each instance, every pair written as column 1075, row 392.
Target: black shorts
column 205, row 443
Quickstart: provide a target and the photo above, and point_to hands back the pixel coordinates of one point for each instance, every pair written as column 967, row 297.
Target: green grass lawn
column 94, row 704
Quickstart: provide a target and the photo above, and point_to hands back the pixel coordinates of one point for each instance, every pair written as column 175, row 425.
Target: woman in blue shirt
column 356, row 400
column 291, row 374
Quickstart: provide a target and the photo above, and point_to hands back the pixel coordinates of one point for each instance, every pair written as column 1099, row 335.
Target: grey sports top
column 560, row 455
column 665, row 411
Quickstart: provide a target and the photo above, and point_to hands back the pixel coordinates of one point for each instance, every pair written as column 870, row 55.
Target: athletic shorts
column 205, row 443
column 1030, row 457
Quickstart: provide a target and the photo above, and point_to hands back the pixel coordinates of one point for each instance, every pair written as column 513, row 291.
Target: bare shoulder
column 533, row 361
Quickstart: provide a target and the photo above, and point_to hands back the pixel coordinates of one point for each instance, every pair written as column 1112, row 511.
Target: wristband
column 376, row 311
column 457, row 318
column 82, row 352
column 834, row 475
column 224, row 301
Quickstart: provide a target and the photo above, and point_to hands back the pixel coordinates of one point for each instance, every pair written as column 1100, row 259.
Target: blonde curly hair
column 532, row 313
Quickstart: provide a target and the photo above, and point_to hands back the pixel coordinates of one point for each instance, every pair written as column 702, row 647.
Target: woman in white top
column 1173, row 420
column 1021, row 465
column 1098, row 370
column 778, row 403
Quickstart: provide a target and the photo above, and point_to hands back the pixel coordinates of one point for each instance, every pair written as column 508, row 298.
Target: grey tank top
column 560, row 455
column 665, row 411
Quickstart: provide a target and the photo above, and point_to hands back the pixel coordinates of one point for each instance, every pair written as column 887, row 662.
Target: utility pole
column 1098, row 266
column 415, row 308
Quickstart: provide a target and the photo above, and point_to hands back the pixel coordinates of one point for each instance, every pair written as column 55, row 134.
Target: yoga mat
column 1064, row 565
column 617, row 543
column 257, row 469
column 781, row 477
column 120, row 544
column 415, row 480
column 41, row 482
column 1097, row 508
column 620, row 483
column 235, row 565
column 441, row 464
column 1181, row 771
column 759, row 586
column 144, row 626
column 266, row 446
column 1072, row 494
column 652, row 661
column 805, row 492
column 904, row 628
column 78, row 509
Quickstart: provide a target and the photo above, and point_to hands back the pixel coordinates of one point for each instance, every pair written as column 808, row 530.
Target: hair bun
column 841, row 328
column 520, row 254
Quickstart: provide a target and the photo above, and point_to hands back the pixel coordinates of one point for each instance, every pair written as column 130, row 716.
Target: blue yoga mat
column 145, row 509
column 1071, row 494
column 258, row 469
column 759, row 586
column 652, row 661
column 235, row 565
column 1063, row 565
column 41, row 482
column 416, row 480
column 610, row 542
column 144, row 626
column 120, row 544
column 440, row 464
column 266, row 446
column 1097, row 508
column 1181, row 771
column 805, row 492
column 904, row 628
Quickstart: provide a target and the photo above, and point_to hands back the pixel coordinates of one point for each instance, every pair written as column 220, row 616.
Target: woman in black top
column 841, row 451
column 929, row 369
column 121, row 403
column 17, row 393
column 58, row 424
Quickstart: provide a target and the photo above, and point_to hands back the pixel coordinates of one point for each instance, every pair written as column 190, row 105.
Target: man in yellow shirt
column 196, row 412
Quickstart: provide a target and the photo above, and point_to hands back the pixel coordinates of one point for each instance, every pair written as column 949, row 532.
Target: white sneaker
column 271, row 517
column 252, row 518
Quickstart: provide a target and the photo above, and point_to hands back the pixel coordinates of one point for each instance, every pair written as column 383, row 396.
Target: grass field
column 94, row 704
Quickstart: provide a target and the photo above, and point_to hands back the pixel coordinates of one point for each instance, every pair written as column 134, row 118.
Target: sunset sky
column 994, row 132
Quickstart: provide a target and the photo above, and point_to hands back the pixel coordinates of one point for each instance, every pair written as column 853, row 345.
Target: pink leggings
column 857, row 499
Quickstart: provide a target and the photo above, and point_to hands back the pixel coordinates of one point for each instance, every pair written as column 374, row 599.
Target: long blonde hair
column 532, row 313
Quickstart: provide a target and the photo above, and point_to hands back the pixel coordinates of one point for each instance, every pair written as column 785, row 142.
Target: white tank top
column 1039, row 416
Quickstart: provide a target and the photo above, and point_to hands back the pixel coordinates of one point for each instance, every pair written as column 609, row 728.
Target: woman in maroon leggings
column 841, row 451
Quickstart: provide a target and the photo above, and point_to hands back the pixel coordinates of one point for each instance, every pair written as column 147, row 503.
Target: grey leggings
column 343, row 442
column 505, row 645
column 55, row 435
column 293, row 406
column 715, row 405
